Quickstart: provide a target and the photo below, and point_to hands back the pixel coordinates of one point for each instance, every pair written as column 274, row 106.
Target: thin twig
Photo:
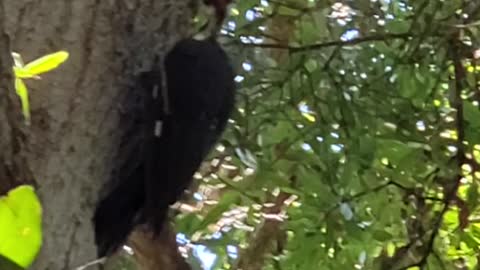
column 318, row 46
column 92, row 263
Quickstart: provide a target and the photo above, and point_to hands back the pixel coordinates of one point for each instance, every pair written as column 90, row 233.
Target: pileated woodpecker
column 220, row 8
column 180, row 121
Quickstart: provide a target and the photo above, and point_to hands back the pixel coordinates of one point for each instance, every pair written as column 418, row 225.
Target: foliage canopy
column 356, row 141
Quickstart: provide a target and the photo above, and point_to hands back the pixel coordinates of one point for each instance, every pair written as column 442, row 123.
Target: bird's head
column 220, row 7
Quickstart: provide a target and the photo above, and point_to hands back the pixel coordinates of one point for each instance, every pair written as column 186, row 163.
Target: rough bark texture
column 13, row 168
column 75, row 109
column 153, row 253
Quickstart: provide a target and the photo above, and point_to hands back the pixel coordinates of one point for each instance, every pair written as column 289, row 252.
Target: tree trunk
column 75, row 109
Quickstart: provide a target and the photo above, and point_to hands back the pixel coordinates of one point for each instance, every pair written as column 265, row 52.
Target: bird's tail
column 116, row 214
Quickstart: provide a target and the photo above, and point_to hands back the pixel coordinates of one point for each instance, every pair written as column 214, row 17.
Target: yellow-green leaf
column 46, row 63
column 22, row 73
column 22, row 92
column 309, row 116
column 20, row 226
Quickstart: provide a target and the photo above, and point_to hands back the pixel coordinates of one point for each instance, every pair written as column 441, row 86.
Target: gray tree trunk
column 68, row 148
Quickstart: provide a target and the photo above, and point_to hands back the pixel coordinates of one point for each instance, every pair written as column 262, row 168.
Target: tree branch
column 451, row 189
column 262, row 242
column 334, row 43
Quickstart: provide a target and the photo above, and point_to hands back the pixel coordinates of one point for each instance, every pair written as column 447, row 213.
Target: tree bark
column 75, row 109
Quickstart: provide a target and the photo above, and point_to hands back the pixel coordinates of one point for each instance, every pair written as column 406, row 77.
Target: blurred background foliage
column 356, row 142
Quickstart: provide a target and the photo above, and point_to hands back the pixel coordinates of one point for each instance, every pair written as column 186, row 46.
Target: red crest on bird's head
column 220, row 8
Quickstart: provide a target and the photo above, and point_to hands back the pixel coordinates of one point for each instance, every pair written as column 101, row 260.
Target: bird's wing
column 200, row 97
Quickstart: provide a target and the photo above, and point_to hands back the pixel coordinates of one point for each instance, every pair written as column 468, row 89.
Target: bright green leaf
column 22, row 92
column 21, row 73
column 20, row 226
column 46, row 63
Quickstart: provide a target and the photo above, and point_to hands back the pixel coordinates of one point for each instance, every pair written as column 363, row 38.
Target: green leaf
column 382, row 235
column 22, row 92
column 472, row 195
column 472, row 114
column 46, row 63
column 32, row 70
column 20, row 226
column 311, row 65
column 398, row 26
column 394, row 151
column 21, row 73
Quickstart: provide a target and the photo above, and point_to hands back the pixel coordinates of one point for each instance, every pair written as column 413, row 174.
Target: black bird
column 179, row 124
column 220, row 7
